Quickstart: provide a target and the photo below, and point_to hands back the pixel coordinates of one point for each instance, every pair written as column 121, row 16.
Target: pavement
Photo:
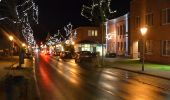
column 134, row 65
column 17, row 83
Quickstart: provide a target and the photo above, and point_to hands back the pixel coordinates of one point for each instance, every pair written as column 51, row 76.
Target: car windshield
column 86, row 53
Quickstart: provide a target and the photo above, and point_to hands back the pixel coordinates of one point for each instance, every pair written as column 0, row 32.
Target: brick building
column 117, row 35
column 88, row 39
column 155, row 15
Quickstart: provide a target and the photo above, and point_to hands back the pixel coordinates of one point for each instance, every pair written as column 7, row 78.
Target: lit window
column 86, row 47
column 92, row 32
column 96, row 33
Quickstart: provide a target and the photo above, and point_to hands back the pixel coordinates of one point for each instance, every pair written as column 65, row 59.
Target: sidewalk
column 134, row 65
column 17, row 84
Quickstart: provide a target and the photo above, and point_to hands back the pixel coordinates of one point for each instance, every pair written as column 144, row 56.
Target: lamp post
column 143, row 32
column 11, row 38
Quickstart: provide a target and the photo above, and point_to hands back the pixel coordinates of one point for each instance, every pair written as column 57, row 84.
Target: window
column 118, row 30
column 149, row 19
column 96, row 33
column 166, row 47
column 89, row 32
column 121, row 46
column 148, row 46
column 124, row 45
column 137, row 22
column 124, row 29
column 85, row 47
column 118, row 45
column 92, row 33
column 165, row 16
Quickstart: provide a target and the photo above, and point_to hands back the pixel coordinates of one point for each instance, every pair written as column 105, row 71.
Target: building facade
column 155, row 16
column 117, row 35
column 88, row 39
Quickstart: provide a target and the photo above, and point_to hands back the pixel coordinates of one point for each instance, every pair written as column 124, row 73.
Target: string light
column 23, row 18
column 58, row 37
column 22, row 11
column 102, row 5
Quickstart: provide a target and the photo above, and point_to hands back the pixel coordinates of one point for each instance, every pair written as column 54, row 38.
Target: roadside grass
column 137, row 63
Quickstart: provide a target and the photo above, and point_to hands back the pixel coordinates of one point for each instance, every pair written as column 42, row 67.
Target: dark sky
column 55, row 14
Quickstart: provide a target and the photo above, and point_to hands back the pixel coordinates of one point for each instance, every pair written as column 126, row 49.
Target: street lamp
column 11, row 38
column 72, row 42
column 23, row 45
column 143, row 32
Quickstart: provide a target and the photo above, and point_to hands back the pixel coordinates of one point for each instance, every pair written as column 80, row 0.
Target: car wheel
column 77, row 60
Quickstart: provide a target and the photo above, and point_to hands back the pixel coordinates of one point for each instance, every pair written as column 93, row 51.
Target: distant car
column 84, row 56
column 47, row 53
column 111, row 55
column 27, row 55
column 65, row 55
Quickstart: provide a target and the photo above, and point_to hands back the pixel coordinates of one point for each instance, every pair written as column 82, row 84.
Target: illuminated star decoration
column 99, row 11
column 109, row 36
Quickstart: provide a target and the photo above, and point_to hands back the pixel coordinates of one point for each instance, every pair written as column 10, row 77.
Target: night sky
column 55, row 14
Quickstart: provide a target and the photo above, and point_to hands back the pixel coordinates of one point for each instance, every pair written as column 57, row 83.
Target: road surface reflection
column 65, row 80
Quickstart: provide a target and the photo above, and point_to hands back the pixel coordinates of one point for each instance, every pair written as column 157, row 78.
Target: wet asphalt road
column 65, row 80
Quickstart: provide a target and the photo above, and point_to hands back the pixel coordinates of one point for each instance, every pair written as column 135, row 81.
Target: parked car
column 111, row 55
column 47, row 52
column 65, row 55
column 27, row 55
column 85, row 56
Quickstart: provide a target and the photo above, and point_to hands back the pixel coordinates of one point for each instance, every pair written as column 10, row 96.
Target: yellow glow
column 143, row 30
column 23, row 44
column 11, row 38
column 73, row 43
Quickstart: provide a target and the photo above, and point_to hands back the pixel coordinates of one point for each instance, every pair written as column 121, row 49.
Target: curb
column 139, row 72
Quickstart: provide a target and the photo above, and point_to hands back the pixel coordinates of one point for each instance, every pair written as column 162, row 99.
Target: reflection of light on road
column 45, row 58
column 109, row 71
column 106, row 86
column 141, row 91
column 69, row 73
column 73, row 64
column 45, row 76
column 73, row 70
column 108, row 77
